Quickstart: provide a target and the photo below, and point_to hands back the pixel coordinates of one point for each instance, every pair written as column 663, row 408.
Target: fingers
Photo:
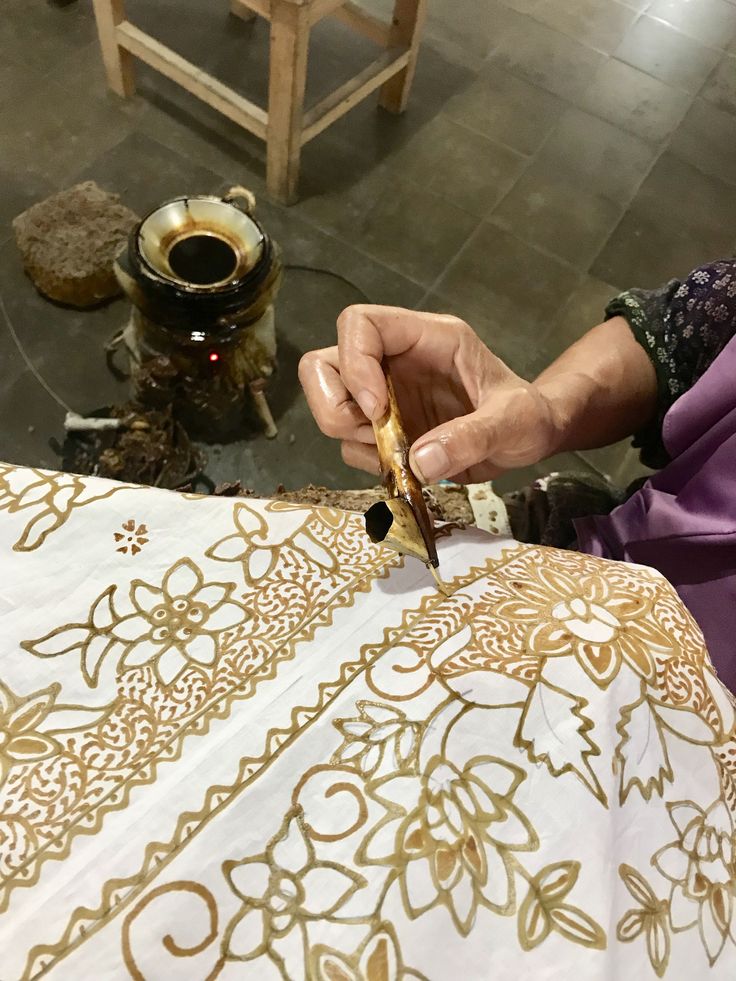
column 448, row 370
column 331, row 404
column 368, row 334
column 361, row 456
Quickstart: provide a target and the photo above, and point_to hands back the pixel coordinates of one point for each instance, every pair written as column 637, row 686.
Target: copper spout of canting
column 402, row 521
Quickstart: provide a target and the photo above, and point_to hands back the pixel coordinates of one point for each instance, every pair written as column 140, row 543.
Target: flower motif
column 650, row 917
column 601, row 624
column 283, row 887
column 378, row 732
column 544, row 910
column 133, row 538
column 378, row 958
column 702, row 868
column 177, row 623
column 451, row 833
column 258, row 545
column 20, row 740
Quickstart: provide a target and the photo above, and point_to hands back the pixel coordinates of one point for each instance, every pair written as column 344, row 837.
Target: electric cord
column 335, row 275
column 29, row 364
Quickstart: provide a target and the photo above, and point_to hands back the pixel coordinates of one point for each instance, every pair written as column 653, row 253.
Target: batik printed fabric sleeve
column 683, row 327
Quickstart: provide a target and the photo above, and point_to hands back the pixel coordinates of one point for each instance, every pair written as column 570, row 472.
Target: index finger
column 334, row 411
column 366, row 335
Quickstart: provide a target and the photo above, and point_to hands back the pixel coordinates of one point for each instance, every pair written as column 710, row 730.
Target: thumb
column 512, row 427
column 454, row 447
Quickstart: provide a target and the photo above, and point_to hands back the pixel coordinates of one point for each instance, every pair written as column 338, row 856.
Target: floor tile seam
column 657, row 157
column 477, row 132
column 433, row 287
column 639, row 14
column 512, row 70
column 570, row 37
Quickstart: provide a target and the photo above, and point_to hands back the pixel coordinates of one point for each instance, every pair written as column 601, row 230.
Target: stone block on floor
column 69, row 242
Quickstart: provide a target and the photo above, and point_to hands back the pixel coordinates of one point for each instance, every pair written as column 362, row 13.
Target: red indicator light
column 214, row 356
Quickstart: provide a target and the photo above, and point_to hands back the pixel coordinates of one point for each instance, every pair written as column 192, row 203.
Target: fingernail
column 367, row 401
column 431, row 462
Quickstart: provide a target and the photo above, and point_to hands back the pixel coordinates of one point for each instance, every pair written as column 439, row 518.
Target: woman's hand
column 467, row 415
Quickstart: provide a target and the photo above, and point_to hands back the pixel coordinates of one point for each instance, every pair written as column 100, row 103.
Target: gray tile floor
column 555, row 151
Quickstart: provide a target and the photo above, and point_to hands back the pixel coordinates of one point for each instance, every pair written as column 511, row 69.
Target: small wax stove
column 202, row 275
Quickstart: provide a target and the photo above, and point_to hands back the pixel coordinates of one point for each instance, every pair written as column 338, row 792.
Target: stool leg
column 408, row 22
column 287, row 82
column 118, row 61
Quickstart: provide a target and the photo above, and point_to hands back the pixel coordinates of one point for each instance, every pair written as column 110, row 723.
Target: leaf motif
column 32, row 710
column 95, row 652
column 637, row 886
column 103, row 613
column 352, row 727
column 553, row 730
column 651, row 918
column 407, row 745
column 631, row 925
column 641, row 754
column 92, row 639
column 685, row 723
column 546, row 891
column 64, row 639
column 555, row 881
column 658, row 946
column 534, row 924
column 575, row 925
column 31, row 747
column 377, row 712
column 38, row 529
column 232, row 548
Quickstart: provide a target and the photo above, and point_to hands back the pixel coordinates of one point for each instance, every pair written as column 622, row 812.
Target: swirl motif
column 171, row 945
column 319, row 776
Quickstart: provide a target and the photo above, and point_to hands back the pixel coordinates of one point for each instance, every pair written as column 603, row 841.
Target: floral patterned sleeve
column 683, row 327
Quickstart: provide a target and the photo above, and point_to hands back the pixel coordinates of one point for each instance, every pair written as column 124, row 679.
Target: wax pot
column 202, row 275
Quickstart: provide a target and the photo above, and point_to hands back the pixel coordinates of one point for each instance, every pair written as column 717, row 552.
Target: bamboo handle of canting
column 402, row 521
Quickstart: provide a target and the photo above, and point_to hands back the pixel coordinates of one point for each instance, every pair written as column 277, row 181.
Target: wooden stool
column 286, row 127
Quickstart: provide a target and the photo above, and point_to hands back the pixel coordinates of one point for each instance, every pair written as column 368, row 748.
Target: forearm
column 602, row 389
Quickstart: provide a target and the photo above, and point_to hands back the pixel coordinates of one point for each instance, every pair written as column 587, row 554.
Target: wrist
column 564, row 397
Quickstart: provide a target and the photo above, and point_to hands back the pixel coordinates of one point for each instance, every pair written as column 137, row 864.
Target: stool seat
column 286, row 126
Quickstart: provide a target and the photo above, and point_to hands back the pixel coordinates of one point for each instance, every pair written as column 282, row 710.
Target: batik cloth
column 238, row 741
